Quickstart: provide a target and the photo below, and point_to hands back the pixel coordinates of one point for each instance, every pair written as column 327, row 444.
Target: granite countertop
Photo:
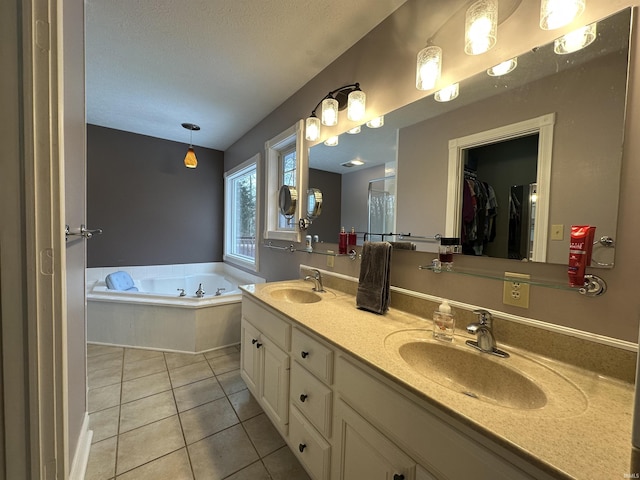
column 583, row 432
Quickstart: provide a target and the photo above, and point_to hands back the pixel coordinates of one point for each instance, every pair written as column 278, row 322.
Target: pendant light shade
column 376, row 122
column 576, row 40
column 312, row 128
column 428, row 67
column 448, row 93
column 558, row 13
column 481, row 27
column 356, row 105
column 329, row 112
column 331, row 141
column 190, row 160
column 503, row 68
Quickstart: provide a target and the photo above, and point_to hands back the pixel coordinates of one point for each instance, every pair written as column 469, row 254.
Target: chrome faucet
column 219, row 291
column 200, row 291
column 182, row 294
column 317, row 278
column 483, row 328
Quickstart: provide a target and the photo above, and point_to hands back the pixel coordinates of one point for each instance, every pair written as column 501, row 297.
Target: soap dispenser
column 443, row 323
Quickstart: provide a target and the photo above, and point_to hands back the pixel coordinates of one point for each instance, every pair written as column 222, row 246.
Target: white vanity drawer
column 312, row 397
column 277, row 329
column 309, row 446
column 315, row 357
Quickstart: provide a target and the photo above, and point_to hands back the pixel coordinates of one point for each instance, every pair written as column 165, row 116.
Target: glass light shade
column 354, row 130
column 481, row 27
column 312, row 130
column 329, row 112
column 558, row 13
column 356, row 105
column 376, row 122
column 428, row 67
column 190, row 160
column 447, row 93
column 576, row 40
column 331, row 141
column 503, row 68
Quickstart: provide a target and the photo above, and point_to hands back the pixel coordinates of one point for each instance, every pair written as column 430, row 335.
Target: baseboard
column 81, row 456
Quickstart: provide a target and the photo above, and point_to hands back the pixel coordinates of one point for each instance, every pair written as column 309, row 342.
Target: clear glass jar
column 449, row 246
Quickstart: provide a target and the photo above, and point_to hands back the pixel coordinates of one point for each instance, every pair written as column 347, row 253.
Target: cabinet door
column 250, row 356
column 363, row 452
column 274, row 388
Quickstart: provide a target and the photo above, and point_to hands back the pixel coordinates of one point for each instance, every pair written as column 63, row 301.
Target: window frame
column 274, row 148
column 229, row 176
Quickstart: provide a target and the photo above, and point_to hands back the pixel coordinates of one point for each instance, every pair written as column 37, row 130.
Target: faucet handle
column 484, row 317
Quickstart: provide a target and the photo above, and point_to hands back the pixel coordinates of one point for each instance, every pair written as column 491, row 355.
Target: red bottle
column 342, row 241
column 352, row 238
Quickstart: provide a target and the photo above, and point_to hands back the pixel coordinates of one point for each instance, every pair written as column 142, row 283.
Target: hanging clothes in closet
column 479, row 210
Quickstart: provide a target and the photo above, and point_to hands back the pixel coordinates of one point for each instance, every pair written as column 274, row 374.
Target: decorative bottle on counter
column 352, row 238
column 342, row 241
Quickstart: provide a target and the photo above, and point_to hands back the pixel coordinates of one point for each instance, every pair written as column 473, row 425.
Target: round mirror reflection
column 314, row 203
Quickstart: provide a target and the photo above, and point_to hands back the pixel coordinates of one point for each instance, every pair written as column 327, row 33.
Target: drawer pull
column 253, row 342
column 302, row 446
column 398, row 476
column 304, row 354
column 258, row 345
column 303, row 397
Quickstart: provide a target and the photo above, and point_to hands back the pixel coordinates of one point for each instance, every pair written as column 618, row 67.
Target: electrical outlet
column 330, row 259
column 515, row 292
column 557, row 232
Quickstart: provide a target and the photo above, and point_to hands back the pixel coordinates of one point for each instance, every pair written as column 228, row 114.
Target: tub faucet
column 219, row 292
column 182, row 294
column 317, row 279
column 200, row 291
column 483, row 328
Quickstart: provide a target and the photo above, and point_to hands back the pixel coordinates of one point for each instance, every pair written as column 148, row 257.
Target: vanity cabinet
column 264, row 361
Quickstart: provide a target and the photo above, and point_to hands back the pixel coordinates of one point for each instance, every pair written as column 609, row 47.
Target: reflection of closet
column 479, row 210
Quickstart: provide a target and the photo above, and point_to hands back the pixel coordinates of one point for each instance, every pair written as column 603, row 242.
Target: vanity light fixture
column 331, row 141
column 558, row 13
column 576, row 40
column 447, row 93
column 190, row 160
column 503, row 68
column 354, row 130
column 481, row 27
column 347, row 96
column 428, row 67
column 376, row 122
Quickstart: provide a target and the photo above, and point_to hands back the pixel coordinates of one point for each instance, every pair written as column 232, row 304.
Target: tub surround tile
column 263, row 435
column 147, row 443
column 197, row 393
column 103, row 397
column 207, row 419
column 281, row 467
column 190, row 373
column 102, row 460
column 146, row 410
column 174, row 466
column 177, row 360
column 104, row 423
column 223, row 454
column 145, row 386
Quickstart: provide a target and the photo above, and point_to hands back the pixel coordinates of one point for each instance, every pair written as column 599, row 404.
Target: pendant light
column 376, row 122
column 558, row 13
column 428, row 67
column 190, row 160
column 447, row 93
column 481, row 27
column 503, row 68
column 576, row 40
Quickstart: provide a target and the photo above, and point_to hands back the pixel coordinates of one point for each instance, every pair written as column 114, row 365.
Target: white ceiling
column 222, row 64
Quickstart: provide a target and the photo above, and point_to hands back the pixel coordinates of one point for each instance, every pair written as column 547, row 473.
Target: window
column 286, row 164
column 241, row 209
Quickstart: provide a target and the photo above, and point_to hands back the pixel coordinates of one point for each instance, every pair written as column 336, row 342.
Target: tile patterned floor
column 161, row 415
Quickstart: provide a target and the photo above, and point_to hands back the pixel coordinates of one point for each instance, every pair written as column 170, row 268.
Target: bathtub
column 157, row 317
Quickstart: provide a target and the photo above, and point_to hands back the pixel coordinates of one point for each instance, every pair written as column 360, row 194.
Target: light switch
column 557, row 232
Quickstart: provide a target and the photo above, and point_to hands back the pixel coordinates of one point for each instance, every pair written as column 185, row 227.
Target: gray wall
column 327, row 225
column 384, row 64
column 153, row 210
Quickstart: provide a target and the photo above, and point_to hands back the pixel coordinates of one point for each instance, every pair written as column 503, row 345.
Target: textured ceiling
column 222, row 64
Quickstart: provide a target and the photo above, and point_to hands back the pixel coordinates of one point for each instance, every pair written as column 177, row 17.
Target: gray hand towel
column 373, row 284
column 403, row 245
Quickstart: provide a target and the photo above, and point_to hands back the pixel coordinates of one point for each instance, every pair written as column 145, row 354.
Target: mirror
column 582, row 95
column 314, row 203
column 287, row 201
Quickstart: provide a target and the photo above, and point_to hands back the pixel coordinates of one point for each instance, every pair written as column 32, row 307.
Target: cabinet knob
column 301, row 447
column 253, row 342
column 304, row 354
column 398, row 476
column 258, row 345
column 303, row 397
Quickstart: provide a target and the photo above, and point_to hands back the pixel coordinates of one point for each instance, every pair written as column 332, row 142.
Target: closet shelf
column 593, row 285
